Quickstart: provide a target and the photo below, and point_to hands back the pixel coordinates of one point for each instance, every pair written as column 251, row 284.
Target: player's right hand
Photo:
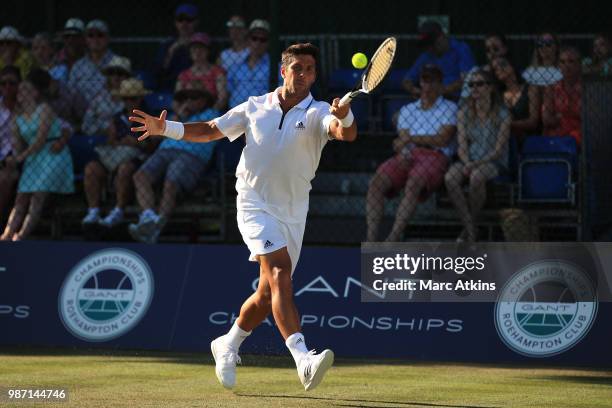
column 151, row 124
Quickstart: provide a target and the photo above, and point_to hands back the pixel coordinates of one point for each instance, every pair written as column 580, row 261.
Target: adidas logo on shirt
column 268, row 244
column 300, row 125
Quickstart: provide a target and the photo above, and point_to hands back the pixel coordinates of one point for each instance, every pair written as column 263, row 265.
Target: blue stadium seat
column 147, row 78
column 343, row 79
column 393, row 81
column 546, row 169
column 389, row 107
column 159, row 101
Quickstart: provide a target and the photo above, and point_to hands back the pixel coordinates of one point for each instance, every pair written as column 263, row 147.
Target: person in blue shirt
column 181, row 165
column 452, row 56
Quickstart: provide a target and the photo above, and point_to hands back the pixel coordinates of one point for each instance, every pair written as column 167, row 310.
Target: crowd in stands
column 455, row 134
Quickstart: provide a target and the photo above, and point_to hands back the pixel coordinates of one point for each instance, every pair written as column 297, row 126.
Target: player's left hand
column 339, row 111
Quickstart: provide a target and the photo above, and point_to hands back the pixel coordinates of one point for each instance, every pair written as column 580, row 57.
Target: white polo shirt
column 421, row 122
column 281, row 154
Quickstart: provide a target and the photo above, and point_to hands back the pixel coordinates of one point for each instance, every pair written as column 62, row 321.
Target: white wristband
column 174, row 130
column 347, row 120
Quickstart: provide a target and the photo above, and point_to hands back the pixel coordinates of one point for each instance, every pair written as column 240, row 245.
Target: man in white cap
column 252, row 76
column 74, row 45
column 286, row 131
column 238, row 51
column 12, row 51
column 86, row 74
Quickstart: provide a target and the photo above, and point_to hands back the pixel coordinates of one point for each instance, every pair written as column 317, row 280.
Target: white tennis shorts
column 263, row 233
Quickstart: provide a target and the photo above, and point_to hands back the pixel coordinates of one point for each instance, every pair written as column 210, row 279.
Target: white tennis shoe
column 312, row 368
column 226, row 359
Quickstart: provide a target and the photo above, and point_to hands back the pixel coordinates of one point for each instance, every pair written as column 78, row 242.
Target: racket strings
column 381, row 62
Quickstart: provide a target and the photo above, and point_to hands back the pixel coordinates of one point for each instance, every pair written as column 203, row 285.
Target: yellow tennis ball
column 359, row 60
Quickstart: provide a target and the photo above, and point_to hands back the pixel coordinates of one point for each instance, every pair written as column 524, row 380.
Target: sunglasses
column 96, row 35
column 477, row 84
column 256, row 38
column 492, row 49
column 9, row 83
column 184, row 19
column 545, row 43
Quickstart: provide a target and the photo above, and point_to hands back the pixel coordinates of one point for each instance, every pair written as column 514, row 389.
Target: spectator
column 86, row 75
column 72, row 51
column 183, row 164
column 42, row 51
column 41, row 147
column 9, row 173
column 212, row 76
column 563, row 101
column 173, row 56
column 496, row 46
column 523, row 100
column 252, row 76
column 544, row 69
column 423, row 148
column 600, row 63
column 483, row 129
column 101, row 110
column 452, row 56
column 122, row 155
column 238, row 51
column 68, row 104
column 12, row 51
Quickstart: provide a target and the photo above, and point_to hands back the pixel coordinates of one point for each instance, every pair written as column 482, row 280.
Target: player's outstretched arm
column 336, row 129
column 158, row 126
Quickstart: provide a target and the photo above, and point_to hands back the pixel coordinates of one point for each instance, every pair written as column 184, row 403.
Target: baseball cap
column 97, row 25
column 200, row 38
column 187, row 9
column 10, row 33
column 259, row 25
column 235, row 21
column 429, row 32
column 118, row 63
column 74, row 26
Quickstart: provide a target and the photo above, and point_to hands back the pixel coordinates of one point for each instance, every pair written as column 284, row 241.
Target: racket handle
column 346, row 99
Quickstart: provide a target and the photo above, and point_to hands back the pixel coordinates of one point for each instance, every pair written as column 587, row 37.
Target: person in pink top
column 212, row 76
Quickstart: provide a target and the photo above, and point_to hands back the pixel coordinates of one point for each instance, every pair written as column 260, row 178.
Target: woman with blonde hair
column 483, row 128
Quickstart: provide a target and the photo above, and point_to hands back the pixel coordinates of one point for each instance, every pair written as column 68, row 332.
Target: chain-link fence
column 470, row 137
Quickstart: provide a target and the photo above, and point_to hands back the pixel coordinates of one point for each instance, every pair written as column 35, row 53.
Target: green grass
column 134, row 379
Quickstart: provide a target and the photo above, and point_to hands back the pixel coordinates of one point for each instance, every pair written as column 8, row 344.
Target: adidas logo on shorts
column 268, row 244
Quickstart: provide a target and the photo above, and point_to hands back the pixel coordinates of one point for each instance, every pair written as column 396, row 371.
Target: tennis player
column 286, row 131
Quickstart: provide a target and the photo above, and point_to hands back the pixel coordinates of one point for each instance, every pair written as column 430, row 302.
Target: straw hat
column 130, row 88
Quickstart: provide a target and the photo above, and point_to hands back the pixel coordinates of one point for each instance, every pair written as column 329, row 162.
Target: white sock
column 118, row 210
column 94, row 210
column 297, row 346
column 236, row 336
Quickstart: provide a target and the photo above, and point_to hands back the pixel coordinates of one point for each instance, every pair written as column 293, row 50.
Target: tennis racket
column 375, row 71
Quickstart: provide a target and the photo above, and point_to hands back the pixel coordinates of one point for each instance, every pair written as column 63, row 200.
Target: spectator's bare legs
column 95, row 176
column 18, row 213
column 144, row 190
column 276, row 268
column 478, row 186
column 8, row 180
column 413, row 188
column 168, row 200
column 124, row 184
column 375, row 203
column 454, row 179
column 257, row 307
column 37, row 203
